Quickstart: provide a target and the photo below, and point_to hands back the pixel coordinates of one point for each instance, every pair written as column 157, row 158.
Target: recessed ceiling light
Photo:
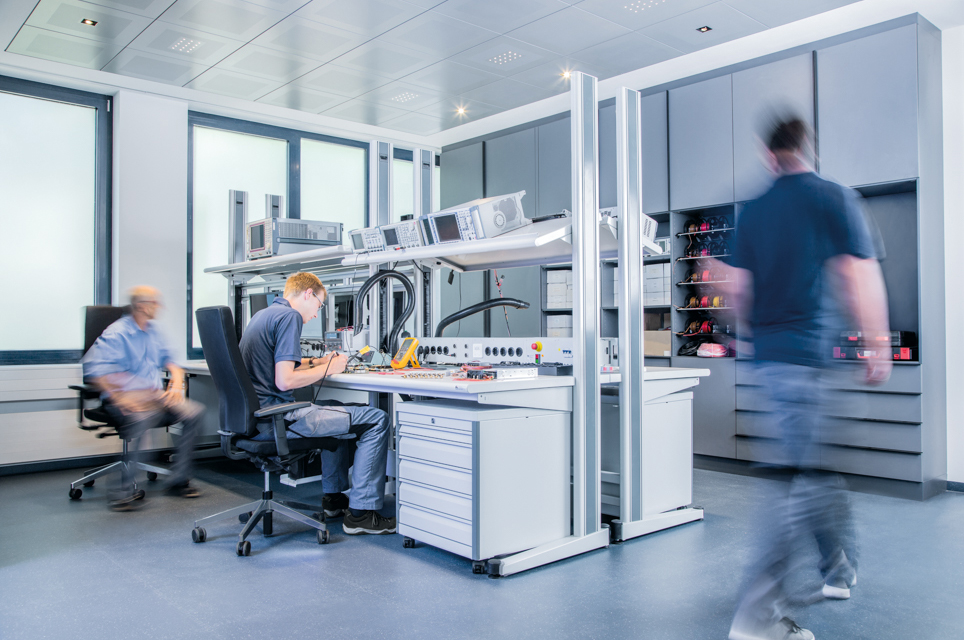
column 566, row 74
column 704, row 29
column 460, row 111
column 89, row 22
column 641, row 5
column 508, row 56
column 185, row 45
column 404, row 97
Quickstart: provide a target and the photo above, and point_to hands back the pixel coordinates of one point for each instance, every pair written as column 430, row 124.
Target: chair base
column 120, row 466
column 263, row 511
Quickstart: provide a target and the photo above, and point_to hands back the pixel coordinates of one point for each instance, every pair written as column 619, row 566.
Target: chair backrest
column 97, row 318
column 237, row 398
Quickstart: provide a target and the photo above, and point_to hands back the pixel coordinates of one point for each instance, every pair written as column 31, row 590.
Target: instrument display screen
column 391, row 237
column 257, row 237
column 357, row 241
column 447, row 228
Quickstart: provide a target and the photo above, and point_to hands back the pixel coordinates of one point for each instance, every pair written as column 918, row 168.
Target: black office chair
column 239, row 415
column 96, row 418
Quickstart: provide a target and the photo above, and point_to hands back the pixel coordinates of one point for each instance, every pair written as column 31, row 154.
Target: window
column 320, row 177
column 403, row 189
column 55, row 177
column 334, row 183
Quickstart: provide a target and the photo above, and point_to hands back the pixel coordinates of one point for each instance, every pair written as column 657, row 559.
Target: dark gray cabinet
column 714, row 406
column 554, row 167
column 867, row 93
column 701, row 144
column 607, row 156
column 759, row 95
column 655, row 144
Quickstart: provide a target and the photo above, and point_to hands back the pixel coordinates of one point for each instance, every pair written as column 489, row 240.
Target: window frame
column 292, row 198
column 103, row 158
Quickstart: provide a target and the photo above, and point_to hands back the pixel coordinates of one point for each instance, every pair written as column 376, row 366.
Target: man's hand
column 172, row 397
column 878, row 370
column 333, row 362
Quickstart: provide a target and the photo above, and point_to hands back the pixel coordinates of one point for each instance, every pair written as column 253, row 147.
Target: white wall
column 953, row 71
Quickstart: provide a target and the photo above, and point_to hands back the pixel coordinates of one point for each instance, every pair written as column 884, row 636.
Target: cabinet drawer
column 872, row 434
column 453, row 437
column 866, row 462
column 846, row 376
column 434, row 421
column 432, row 500
column 449, row 479
column 874, row 406
column 438, row 525
column 434, row 451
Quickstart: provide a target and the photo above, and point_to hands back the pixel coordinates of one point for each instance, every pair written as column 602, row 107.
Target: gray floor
column 76, row 570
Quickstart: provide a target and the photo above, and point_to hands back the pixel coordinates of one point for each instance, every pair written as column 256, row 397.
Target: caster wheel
column 478, row 567
column 267, row 524
column 244, row 548
column 151, row 476
column 198, row 534
column 139, row 494
column 319, row 516
column 75, row 494
column 89, row 483
column 323, row 537
column 408, row 543
column 244, row 517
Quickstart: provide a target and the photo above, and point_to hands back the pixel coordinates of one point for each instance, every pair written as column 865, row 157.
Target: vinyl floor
column 76, row 570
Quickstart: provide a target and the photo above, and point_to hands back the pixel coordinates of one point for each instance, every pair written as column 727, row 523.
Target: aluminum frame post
column 587, row 483
column 379, row 212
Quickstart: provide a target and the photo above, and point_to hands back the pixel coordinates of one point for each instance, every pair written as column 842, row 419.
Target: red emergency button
column 537, row 346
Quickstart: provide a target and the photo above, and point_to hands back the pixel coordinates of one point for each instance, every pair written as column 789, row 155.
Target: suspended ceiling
column 415, row 66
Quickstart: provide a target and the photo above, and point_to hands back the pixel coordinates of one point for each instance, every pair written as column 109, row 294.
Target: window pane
column 225, row 160
column 403, row 189
column 47, row 161
column 333, row 183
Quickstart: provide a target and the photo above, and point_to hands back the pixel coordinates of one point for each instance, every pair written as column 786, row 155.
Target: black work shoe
column 334, row 504
column 368, row 522
column 182, row 490
column 127, row 502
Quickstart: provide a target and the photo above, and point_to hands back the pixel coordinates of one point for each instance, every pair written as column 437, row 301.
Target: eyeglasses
column 321, row 302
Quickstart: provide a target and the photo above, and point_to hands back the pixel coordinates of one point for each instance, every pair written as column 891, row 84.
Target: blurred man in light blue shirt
column 125, row 365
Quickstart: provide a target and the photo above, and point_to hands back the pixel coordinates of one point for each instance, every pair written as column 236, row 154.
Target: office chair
column 96, row 320
column 239, row 414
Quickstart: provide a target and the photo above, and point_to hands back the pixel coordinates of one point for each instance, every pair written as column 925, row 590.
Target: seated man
column 124, row 364
column 271, row 349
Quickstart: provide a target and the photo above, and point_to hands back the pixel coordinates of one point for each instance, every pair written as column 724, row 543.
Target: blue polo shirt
column 133, row 355
column 272, row 336
column 785, row 238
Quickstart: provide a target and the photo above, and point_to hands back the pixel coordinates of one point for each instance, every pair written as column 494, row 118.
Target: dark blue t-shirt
column 272, row 336
column 785, row 239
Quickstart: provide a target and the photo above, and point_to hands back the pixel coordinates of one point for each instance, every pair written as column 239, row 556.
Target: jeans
column 135, row 425
column 815, row 503
column 371, row 428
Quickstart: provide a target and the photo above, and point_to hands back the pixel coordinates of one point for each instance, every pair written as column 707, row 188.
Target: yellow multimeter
column 406, row 354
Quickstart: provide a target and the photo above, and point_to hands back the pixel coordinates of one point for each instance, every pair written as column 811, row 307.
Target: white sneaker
column 785, row 629
column 838, row 589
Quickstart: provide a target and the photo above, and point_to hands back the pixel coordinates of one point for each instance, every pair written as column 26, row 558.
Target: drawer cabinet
column 469, row 473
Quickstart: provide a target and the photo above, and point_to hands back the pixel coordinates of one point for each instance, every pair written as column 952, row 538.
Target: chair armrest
column 280, row 408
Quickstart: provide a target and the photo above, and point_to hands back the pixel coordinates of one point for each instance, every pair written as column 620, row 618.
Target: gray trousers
column 815, row 503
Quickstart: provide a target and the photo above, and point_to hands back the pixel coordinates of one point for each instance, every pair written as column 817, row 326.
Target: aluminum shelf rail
column 314, row 260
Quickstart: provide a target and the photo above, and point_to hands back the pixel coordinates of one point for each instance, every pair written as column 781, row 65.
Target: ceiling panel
column 268, row 64
column 500, row 15
column 310, row 39
column 284, row 6
column 149, row 66
column 776, row 12
column 64, row 16
column 147, row 8
column 437, row 35
column 504, row 56
column 189, row 45
column 551, row 76
column 682, row 32
column 451, row 77
column 404, row 96
column 628, row 53
column 569, row 30
column 639, row 14
column 236, row 85
column 385, row 59
column 508, row 94
column 365, row 112
column 365, row 17
column 416, row 123
column 229, row 18
column 448, row 111
column 59, row 47
column 341, row 80
column 303, row 99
